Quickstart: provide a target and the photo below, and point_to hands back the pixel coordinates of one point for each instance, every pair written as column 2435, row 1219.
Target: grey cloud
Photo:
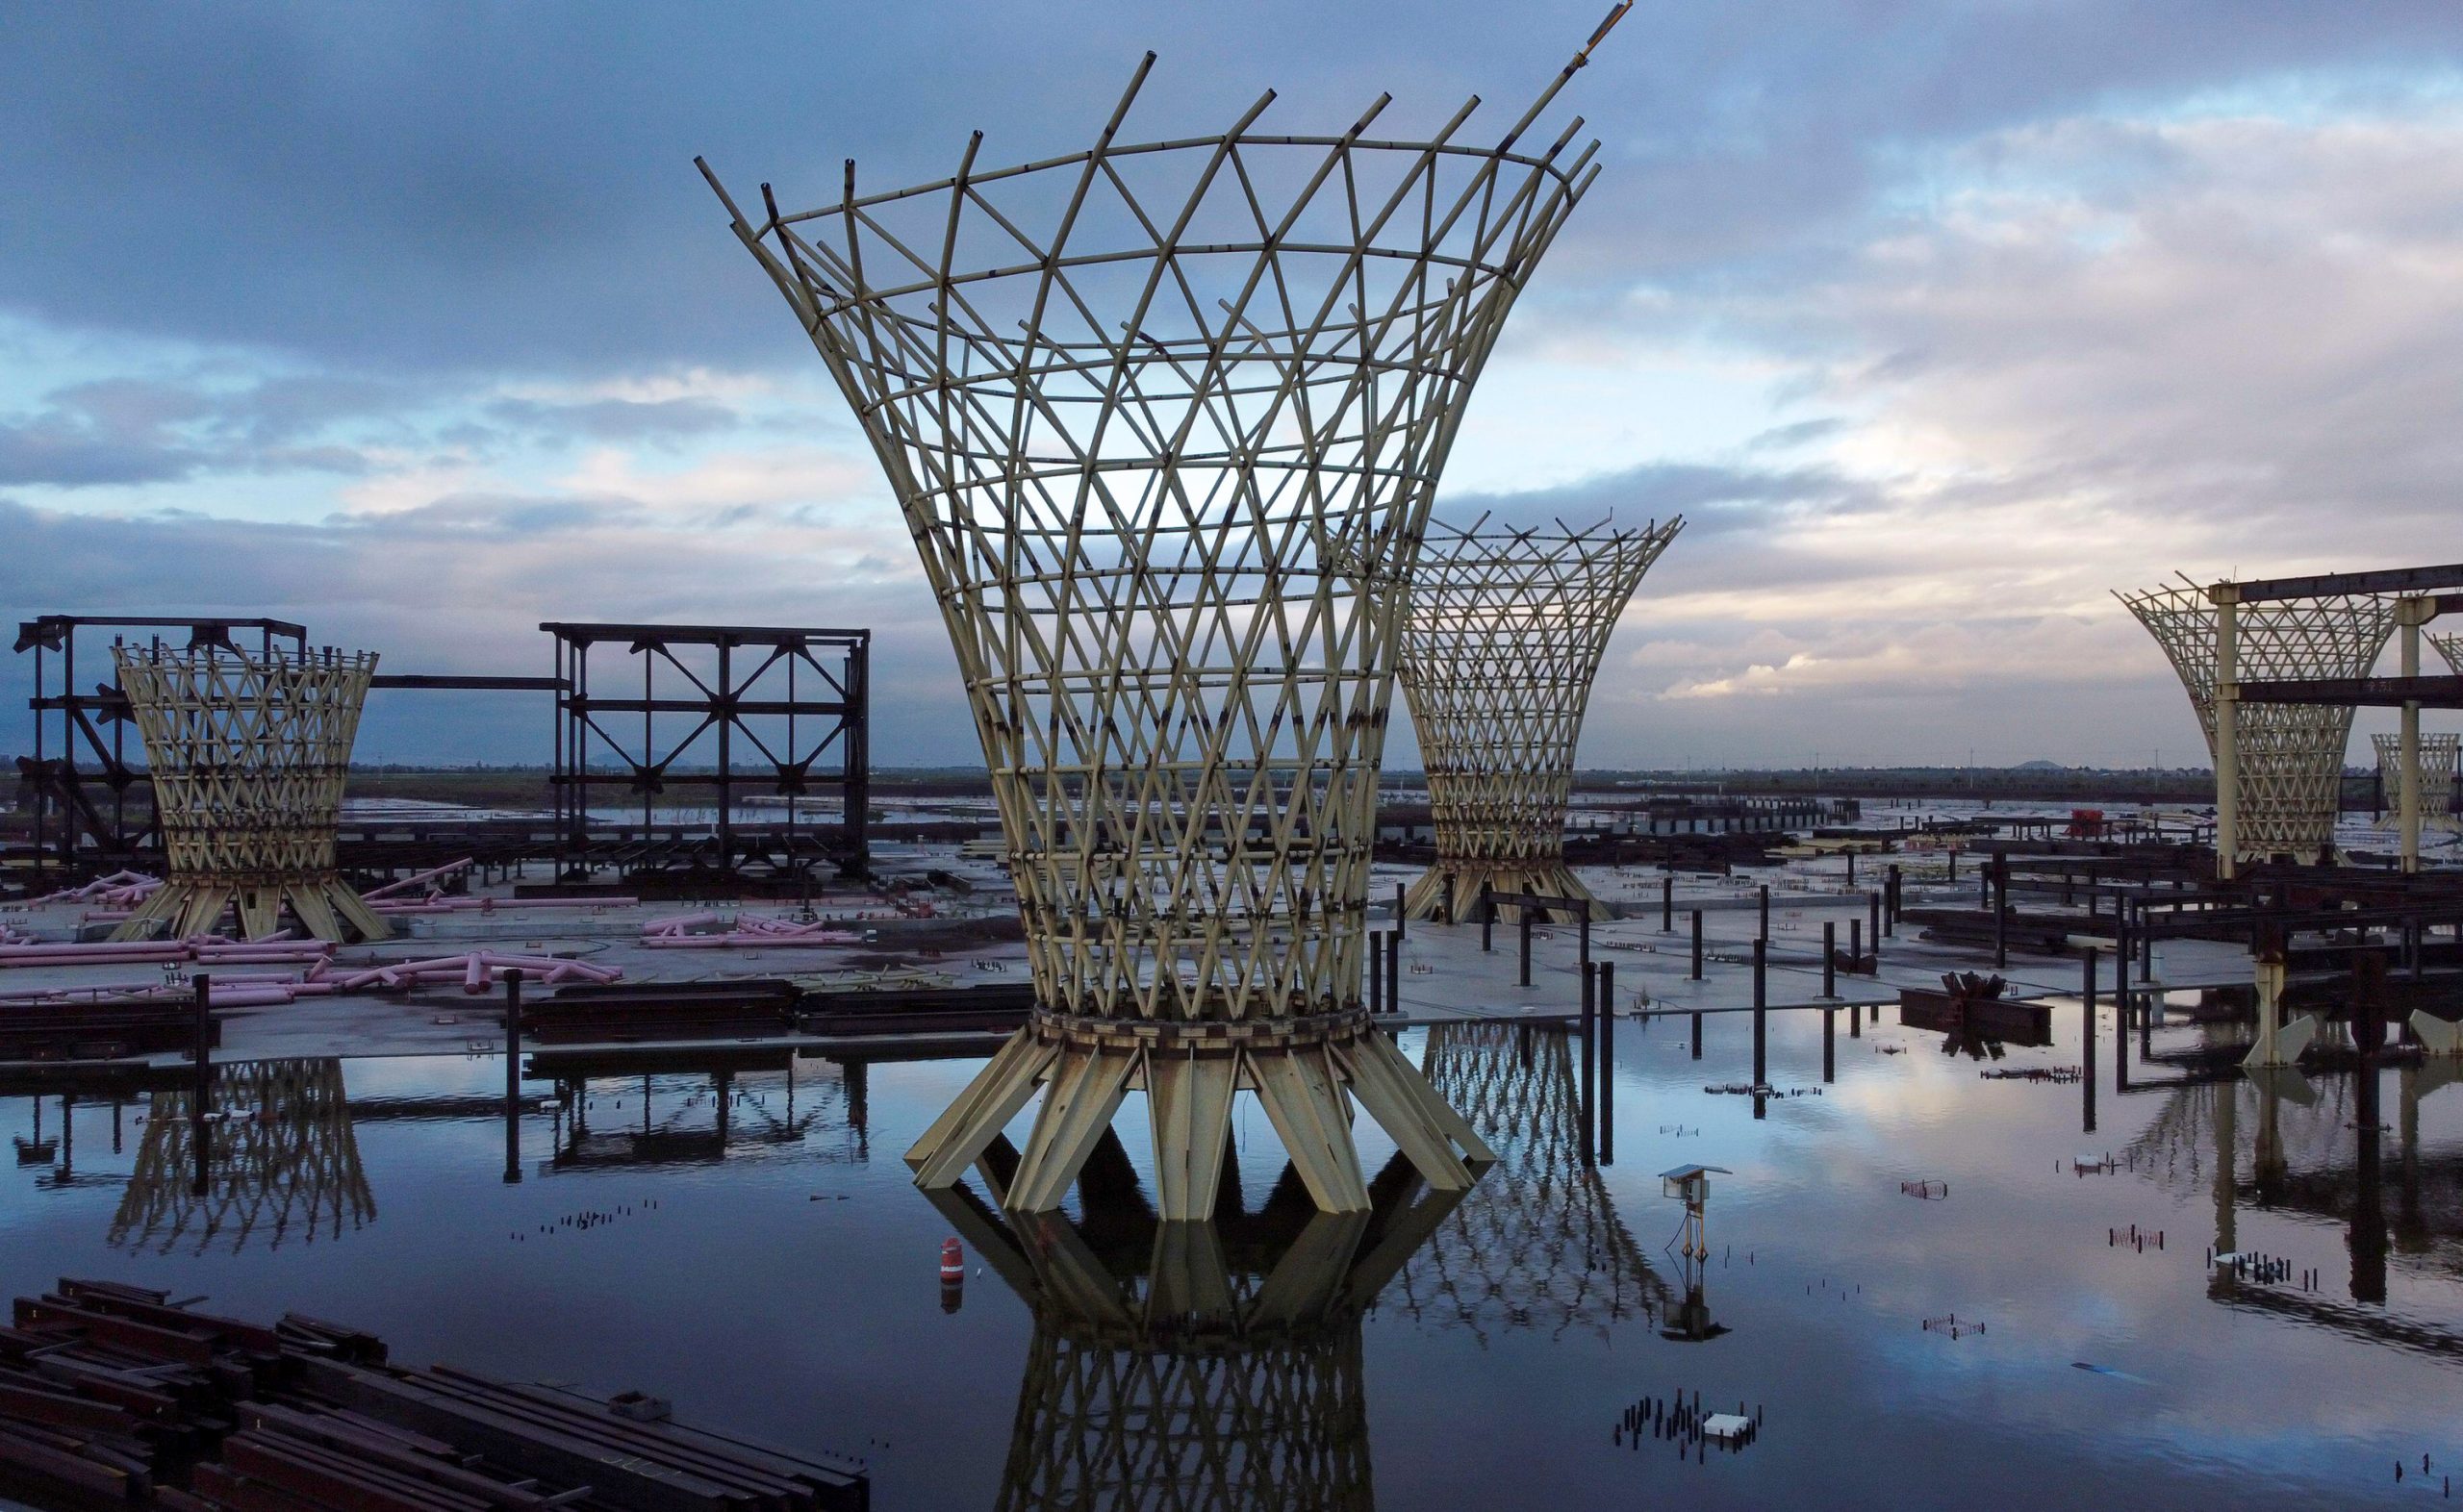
column 420, row 189
column 616, row 419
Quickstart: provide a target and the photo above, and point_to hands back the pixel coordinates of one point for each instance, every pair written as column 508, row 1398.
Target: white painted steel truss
column 1501, row 644
column 2291, row 755
column 1149, row 411
column 248, row 752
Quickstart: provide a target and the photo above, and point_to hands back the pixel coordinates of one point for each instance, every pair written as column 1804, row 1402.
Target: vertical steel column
column 1697, row 945
column 2409, row 613
column 2226, row 598
column 1522, row 922
column 1668, row 903
column 1829, row 958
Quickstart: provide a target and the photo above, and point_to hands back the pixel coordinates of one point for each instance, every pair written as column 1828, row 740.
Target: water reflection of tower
column 1537, row 1243
column 282, row 1160
column 1196, row 1365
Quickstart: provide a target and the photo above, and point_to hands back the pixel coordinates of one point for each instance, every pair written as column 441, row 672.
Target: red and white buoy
column 953, row 1276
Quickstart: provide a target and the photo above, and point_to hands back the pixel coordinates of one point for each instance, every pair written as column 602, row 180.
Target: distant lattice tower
column 248, row 752
column 2292, row 755
column 1157, row 417
column 2439, row 756
column 1500, row 646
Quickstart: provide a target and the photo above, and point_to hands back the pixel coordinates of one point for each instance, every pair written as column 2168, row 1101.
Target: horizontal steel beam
column 705, row 634
column 2377, row 692
column 448, row 681
column 2390, row 580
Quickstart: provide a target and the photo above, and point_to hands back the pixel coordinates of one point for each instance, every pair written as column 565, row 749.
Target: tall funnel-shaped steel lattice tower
column 1500, row 647
column 1158, row 416
column 2291, row 754
column 249, row 752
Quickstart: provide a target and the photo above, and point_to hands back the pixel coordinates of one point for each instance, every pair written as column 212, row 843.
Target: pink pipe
column 391, row 888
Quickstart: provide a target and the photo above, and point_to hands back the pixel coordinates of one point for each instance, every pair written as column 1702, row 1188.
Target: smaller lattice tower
column 2439, row 755
column 1501, row 643
column 2291, row 755
column 248, row 754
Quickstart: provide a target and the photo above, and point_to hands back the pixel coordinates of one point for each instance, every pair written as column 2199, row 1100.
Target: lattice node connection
column 2291, row 755
column 249, row 752
column 1500, row 646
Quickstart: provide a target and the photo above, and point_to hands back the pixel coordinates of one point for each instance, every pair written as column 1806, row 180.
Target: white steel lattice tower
column 1501, row 644
column 2439, row 757
column 2292, row 755
column 248, row 754
column 1158, row 415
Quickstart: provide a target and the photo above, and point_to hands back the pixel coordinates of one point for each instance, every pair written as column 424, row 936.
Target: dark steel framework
column 764, row 712
column 93, row 796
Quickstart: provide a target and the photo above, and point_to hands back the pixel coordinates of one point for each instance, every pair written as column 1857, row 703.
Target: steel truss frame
column 1165, row 420
column 248, row 755
column 2291, row 756
column 1501, row 646
column 812, row 685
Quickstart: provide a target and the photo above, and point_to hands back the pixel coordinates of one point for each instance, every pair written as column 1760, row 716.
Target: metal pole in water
column 2086, row 1058
column 1487, row 920
column 1398, row 910
column 1830, row 958
column 1760, row 1012
column 1607, row 1063
column 1873, row 911
column 1830, row 1044
column 1668, row 903
column 1376, row 973
column 513, row 1078
column 1590, row 1087
column 1697, row 947
column 1891, row 901
column 201, row 1082
column 1523, row 923
column 1763, row 933
column 1393, row 970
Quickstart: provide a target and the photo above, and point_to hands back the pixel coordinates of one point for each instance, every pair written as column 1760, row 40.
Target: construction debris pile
column 112, row 1396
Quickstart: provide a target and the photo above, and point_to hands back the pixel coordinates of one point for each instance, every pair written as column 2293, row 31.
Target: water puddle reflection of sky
column 739, row 1235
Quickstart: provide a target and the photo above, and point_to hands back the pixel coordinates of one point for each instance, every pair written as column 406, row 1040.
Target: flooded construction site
column 1949, row 1263
column 1278, row 1062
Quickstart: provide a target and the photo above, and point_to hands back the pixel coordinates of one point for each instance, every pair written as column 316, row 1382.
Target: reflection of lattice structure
column 1537, row 1243
column 2439, row 755
column 2292, row 755
column 1165, row 422
column 283, row 1161
column 1197, row 1369
column 248, row 755
column 1500, row 646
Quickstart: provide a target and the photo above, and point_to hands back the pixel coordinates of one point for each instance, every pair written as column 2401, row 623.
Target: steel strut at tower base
column 1501, row 643
column 2290, row 761
column 1154, row 414
column 248, row 754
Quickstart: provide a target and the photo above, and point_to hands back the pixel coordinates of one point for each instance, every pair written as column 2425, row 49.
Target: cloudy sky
column 1938, row 321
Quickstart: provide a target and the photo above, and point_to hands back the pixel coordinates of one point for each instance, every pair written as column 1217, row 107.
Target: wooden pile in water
column 112, row 1396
